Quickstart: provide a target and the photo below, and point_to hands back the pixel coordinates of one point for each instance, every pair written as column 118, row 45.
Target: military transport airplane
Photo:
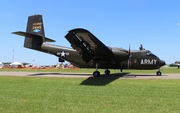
column 88, row 51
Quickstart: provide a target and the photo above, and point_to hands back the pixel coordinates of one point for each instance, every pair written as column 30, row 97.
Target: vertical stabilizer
column 35, row 26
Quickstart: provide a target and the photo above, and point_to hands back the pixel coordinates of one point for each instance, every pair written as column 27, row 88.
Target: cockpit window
column 148, row 53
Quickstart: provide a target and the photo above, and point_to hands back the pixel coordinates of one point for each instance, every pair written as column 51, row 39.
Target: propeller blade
column 128, row 64
column 129, row 56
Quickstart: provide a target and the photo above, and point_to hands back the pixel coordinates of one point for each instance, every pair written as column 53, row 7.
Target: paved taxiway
column 80, row 75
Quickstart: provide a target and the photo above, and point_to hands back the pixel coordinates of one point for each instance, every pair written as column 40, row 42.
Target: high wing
column 87, row 45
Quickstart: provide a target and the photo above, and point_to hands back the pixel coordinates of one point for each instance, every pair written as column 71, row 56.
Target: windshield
column 148, row 53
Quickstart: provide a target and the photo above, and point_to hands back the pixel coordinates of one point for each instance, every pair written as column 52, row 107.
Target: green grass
column 164, row 70
column 88, row 95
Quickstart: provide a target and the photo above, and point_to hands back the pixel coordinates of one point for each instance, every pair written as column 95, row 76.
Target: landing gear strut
column 158, row 73
column 96, row 73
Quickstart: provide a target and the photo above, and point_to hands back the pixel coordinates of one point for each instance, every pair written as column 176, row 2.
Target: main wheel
column 107, row 72
column 158, row 73
column 96, row 74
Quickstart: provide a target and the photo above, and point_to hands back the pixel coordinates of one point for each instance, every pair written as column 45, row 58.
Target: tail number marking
column 37, row 25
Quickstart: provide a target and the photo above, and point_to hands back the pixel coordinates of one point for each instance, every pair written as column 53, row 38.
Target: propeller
column 129, row 56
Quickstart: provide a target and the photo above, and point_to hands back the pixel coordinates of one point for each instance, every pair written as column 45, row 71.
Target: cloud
column 178, row 24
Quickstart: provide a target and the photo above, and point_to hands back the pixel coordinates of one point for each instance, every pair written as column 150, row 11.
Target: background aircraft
column 177, row 63
column 88, row 51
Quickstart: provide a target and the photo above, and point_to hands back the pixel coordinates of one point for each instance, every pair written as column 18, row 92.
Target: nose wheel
column 158, row 73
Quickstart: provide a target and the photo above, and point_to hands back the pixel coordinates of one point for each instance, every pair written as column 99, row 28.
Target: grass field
column 75, row 95
column 89, row 95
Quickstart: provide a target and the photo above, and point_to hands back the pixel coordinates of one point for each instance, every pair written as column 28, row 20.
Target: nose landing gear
column 158, row 73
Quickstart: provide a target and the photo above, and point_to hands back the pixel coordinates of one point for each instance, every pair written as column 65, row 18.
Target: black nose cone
column 162, row 62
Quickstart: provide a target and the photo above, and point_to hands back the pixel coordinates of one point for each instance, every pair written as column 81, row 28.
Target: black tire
column 96, row 74
column 107, row 72
column 158, row 73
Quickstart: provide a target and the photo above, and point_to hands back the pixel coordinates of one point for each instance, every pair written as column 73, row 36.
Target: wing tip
column 78, row 30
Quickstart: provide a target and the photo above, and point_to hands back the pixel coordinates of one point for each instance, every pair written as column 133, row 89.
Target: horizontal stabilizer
column 30, row 35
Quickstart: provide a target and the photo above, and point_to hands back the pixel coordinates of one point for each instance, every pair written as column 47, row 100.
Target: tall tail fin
column 35, row 26
column 34, row 35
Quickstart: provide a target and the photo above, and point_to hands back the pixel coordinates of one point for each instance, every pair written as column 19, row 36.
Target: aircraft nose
column 162, row 62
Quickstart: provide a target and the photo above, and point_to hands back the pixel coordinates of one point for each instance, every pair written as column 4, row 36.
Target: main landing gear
column 107, row 72
column 158, row 73
column 97, row 73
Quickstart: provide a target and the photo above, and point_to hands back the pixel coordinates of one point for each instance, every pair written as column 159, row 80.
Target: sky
column 117, row 23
